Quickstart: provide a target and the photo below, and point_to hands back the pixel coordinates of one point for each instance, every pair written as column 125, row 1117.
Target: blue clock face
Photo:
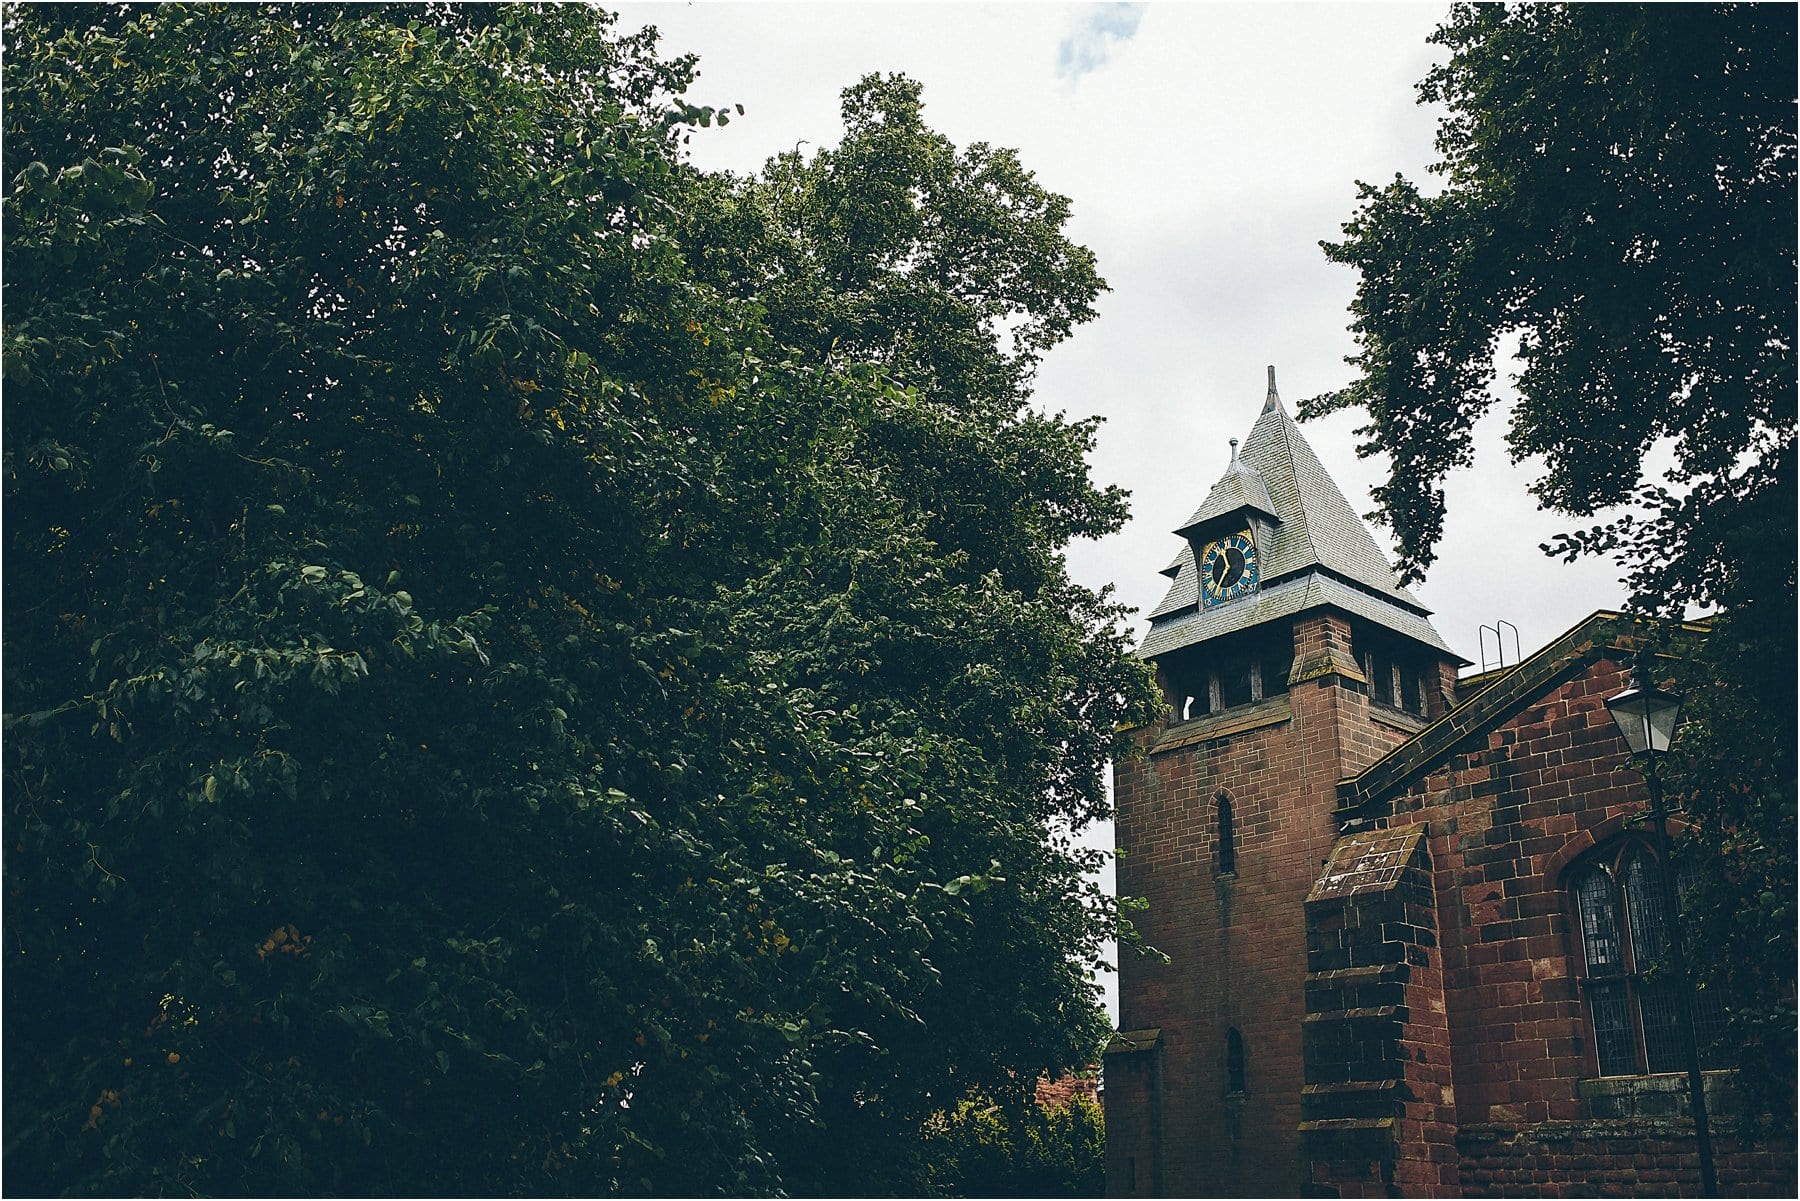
column 1228, row 568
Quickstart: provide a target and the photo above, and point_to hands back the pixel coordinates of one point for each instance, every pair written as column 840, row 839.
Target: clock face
column 1228, row 568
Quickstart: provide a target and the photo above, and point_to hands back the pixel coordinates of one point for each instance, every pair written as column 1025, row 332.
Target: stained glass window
column 1664, row 1048
column 1613, row 1039
column 1709, row 1010
column 1630, row 991
column 1643, row 894
column 1594, row 896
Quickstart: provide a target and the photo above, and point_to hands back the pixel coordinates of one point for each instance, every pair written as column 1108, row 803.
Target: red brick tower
column 1291, row 658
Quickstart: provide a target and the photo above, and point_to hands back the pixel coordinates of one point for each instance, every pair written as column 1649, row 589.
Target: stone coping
column 1127, row 1041
column 1226, row 722
column 1369, row 861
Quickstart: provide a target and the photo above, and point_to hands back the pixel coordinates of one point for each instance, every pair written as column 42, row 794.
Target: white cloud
column 1102, row 27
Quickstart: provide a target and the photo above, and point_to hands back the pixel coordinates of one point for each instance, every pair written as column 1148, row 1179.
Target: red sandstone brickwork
column 1504, row 818
column 1448, row 1050
column 1133, row 1124
column 1550, row 780
column 1631, row 1158
column 1378, row 1101
column 1236, row 942
column 1443, row 698
column 1049, row 1093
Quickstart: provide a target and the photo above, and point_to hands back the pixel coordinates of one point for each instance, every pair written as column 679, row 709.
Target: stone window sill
column 1662, row 1095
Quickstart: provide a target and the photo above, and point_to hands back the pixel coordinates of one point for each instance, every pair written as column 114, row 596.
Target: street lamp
column 1647, row 716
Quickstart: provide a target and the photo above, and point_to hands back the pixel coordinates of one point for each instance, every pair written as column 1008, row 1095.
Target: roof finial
column 1273, row 399
column 1234, row 458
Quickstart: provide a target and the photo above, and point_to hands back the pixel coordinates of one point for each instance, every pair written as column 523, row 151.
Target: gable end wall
column 1504, row 816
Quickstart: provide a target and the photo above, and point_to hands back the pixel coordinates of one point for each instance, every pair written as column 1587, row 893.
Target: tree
column 486, row 712
column 1019, row 1150
column 846, row 254
column 1620, row 194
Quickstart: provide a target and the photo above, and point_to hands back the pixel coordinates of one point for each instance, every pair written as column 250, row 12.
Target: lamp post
column 1647, row 717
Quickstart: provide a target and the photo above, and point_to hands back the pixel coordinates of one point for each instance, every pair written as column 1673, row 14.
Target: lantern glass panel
column 1646, row 717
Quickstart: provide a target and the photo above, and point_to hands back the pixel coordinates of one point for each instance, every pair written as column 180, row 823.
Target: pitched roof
column 1184, row 593
column 1316, row 535
column 1318, row 527
column 1499, row 695
column 1239, row 488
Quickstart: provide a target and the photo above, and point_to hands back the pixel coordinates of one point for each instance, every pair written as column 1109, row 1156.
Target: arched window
column 1227, row 861
column 1633, row 1007
column 1234, row 1062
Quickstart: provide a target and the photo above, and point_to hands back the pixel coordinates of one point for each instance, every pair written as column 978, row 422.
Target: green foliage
column 1620, row 193
column 1620, row 183
column 981, row 1150
column 518, row 681
column 1735, row 775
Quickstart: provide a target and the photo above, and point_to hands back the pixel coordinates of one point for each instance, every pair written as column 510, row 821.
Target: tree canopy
column 1619, row 195
column 531, row 668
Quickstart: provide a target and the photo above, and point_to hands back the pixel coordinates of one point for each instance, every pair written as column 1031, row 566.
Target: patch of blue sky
column 1102, row 27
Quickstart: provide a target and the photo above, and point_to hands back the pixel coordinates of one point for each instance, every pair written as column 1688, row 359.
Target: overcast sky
column 1207, row 148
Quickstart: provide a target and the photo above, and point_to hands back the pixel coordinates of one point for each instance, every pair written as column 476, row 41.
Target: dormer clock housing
column 1227, row 533
column 1273, row 541
column 1230, row 532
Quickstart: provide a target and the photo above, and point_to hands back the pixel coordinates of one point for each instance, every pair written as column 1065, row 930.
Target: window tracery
column 1633, row 1010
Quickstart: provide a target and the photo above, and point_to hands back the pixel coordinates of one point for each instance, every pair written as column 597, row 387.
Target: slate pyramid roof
column 1241, row 487
column 1316, row 536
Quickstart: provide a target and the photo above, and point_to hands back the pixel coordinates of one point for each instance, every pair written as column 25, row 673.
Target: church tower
column 1290, row 658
